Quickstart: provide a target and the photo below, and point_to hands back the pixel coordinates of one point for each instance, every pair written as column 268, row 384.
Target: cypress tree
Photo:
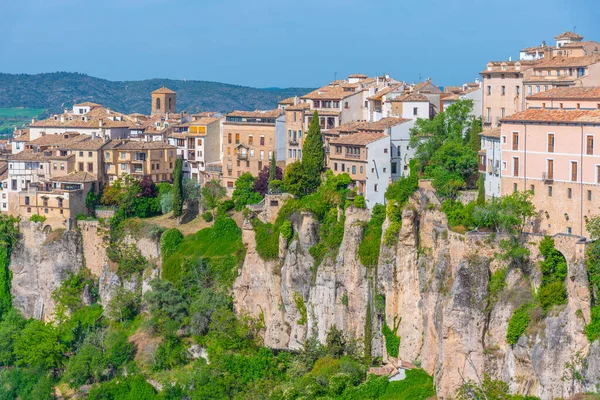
column 313, row 154
column 272, row 168
column 474, row 139
column 178, row 188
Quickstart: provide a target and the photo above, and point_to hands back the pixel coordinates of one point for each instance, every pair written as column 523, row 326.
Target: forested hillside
column 53, row 91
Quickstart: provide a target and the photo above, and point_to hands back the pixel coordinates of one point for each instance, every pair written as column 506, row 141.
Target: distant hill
column 57, row 90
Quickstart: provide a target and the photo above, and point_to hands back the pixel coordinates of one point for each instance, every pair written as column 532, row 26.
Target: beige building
column 296, row 127
column 155, row 159
column 248, row 143
column 163, row 101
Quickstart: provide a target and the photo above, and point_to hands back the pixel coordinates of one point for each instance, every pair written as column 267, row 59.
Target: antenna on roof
column 335, row 76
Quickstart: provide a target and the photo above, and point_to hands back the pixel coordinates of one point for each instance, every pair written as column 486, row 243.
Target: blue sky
column 266, row 43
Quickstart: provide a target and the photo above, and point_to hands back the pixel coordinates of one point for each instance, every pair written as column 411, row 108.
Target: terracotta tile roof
column 575, row 45
column 256, row 114
column 360, row 76
column 22, row 138
column 298, row 107
column 541, row 115
column 36, row 156
column 205, row 121
column 366, row 126
column 163, row 90
column 451, row 97
column 76, row 177
column 561, row 61
column 494, row 133
column 205, row 114
column 329, row 93
column 136, row 145
column 574, row 93
column 411, row 97
column 532, row 49
column 58, row 140
column 511, row 66
column 87, row 104
column 568, row 35
column 110, row 119
column 384, row 91
column 87, row 144
column 289, row 100
column 358, row 139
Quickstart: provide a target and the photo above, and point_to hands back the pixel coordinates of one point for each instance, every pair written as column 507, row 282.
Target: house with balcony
column 366, row 158
column 126, row 157
column 553, row 152
column 249, row 141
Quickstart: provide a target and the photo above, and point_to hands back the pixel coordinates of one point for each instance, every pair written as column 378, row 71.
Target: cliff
column 437, row 282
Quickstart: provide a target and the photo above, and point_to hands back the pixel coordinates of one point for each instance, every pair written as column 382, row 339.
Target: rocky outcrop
column 40, row 261
column 436, row 281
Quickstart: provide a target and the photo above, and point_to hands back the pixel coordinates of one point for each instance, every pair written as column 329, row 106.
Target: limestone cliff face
column 436, row 281
column 40, row 261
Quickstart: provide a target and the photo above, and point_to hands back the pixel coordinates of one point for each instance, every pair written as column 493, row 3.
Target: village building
column 126, row 157
column 490, row 158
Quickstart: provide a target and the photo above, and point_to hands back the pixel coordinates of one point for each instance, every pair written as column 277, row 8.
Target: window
column 252, row 153
column 570, row 193
column 229, row 184
column 55, row 166
column 80, row 166
column 262, row 140
column 343, row 167
column 502, row 112
column 158, row 104
column 597, row 173
column 515, row 166
column 503, row 90
column 90, row 167
column 589, row 195
column 574, row 171
column 489, row 90
column 354, row 169
column 503, row 164
column 237, row 138
column 81, row 154
column 518, row 90
column 489, row 114
column 26, row 200
column 529, row 89
column 346, row 105
column 550, row 170
column 514, row 187
column 62, row 166
column 335, row 166
column 590, row 145
column 376, row 187
column 504, row 139
column 251, row 139
column 580, row 72
column 361, row 169
column 294, row 117
column 551, row 143
column 107, row 155
column 549, row 191
column 537, row 88
column 122, row 156
column 123, row 167
column 384, row 150
column 569, row 230
column 262, row 154
column 515, row 141
column 415, row 110
column 289, row 153
column 532, row 188
column 89, row 153
column 299, row 133
column 545, row 88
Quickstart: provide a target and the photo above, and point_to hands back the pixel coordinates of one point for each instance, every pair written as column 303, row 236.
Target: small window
column 532, row 188
column 570, row 193
column 385, row 150
column 376, row 187
column 334, row 165
column 569, row 230
column 514, row 187
column 549, row 191
column 415, row 111
column 589, row 195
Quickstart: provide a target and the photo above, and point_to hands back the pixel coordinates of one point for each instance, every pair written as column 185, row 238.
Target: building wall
column 477, row 97
column 570, row 146
column 493, row 167
column 401, row 152
column 233, row 165
column 355, row 110
column 295, row 129
column 494, row 102
column 159, row 164
column 378, row 171
column 280, row 139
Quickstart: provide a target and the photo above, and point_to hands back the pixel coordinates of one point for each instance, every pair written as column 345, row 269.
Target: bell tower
column 163, row 101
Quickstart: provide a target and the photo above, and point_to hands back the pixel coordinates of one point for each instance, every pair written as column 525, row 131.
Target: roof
column 367, row 126
column 511, row 66
column 87, row 104
column 329, row 93
column 256, row 114
column 137, row 145
column 568, row 35
column 163, row 90
column 87, row 144
column 289, row 100
column 493, row 133
column 569, row 93
column 384, row 91
column 36, row 156
column 58, row 140
column 204, row 121
column 560, row 61
column 532, row 49
column 298, row 107
column 548, row 116
column 411, row 97
column 358, row 139
column 361, row 76
column 22, row 138
column 76, row 177
column 109, row 118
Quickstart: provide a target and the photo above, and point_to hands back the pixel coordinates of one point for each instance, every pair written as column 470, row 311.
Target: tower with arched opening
column 163, row 101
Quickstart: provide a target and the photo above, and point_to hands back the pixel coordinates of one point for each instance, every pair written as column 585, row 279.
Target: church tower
column 163, row 101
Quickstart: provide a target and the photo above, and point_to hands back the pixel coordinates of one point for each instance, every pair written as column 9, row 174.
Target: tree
column 148, row 187
column 91, row 200
column 244, row 193
column 273, row 168
column 38, row 345
column 191, row 191
column 212, row 192
column 178, row 189
column 450, row 167
column 264, row 182
column 294, row 179
column 313, row 154
column 474, row 131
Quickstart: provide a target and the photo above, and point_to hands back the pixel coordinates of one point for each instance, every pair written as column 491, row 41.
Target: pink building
column 552, row 149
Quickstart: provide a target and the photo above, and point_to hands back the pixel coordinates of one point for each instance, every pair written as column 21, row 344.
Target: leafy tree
column 38, row 345
column 165, row 302
column 273, row 168
column 9, row 232
column 124, row 306
column 264, row 181
column 212, row 193
column 294, row 179
column 86, row 366
column 450, row 167
column 148, row 187
column 244, row 193
column 91, row 200
column 191, row 191
column 313, row 154
column 202, row 308
column 178, row 188
column 10, row 328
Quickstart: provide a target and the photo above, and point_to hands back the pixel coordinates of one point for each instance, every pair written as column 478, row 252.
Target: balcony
column 548, row 177
column 347, row 155
column 293, row 142
column 242, row 156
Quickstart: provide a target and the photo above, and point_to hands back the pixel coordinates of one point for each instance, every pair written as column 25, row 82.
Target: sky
column 266, row 43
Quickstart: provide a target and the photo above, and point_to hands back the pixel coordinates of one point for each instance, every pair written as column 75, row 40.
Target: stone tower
column 163, row 101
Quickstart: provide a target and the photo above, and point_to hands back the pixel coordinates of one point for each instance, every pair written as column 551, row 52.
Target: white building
column 401, row 152
column 490, row 157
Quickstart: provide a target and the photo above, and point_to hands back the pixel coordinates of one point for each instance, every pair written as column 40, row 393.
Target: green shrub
column 552, row 294
column 207, row 216
column 301, row 307
column 592, row 330
column 518, row 323
column 359, row 201
column 554, row 271
column 392, row 341
column 368, row 250
column 286, row 230
column 37, row 218
column 497, row 284
column 391, row 233
column 267, row 240
column 169, row 241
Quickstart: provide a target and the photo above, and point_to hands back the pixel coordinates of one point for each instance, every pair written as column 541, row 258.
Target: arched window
column 170, row 103
column 158, row 104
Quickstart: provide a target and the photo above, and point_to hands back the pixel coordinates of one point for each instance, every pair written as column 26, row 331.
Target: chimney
column 66, row 110
column 295, row 100
column 62, row 118
column 33, row 120
column 100, row 123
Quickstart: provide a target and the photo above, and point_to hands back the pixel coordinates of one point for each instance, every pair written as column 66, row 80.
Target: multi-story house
column 503, row 91
column 85, row 118
column 469, row 91
column 380, row 103
column 366, row 158
column 248, row 142
column 125, row 157
column 199, row 145
column 296, row 120
column 554, row 153
column 490, row 157
column 411, row 105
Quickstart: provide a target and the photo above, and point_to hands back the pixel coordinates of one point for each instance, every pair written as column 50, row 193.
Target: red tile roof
column 574, row 93
column 545, row 115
